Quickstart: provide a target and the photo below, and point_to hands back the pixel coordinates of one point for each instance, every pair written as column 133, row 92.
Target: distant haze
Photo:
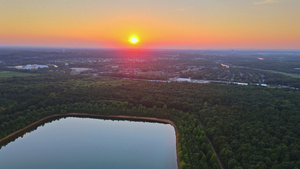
column 197, row 24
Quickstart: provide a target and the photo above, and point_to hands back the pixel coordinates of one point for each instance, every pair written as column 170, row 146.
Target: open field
column 272, row 71
column 282, row 73
column 5, row 74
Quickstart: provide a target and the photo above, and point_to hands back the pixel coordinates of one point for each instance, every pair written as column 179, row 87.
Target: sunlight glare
column 133, row 40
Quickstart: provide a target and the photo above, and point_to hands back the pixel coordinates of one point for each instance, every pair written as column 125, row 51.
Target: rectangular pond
column 77, row 143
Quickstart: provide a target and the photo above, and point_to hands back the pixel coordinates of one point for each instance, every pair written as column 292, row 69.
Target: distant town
column 260, row 68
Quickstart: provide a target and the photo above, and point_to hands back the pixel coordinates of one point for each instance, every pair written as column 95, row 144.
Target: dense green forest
column 249, row 126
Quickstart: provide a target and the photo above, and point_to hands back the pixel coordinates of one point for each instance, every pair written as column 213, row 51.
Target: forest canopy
column 249, row 126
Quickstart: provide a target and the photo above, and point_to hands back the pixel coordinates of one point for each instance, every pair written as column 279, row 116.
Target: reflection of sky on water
column 76, row 142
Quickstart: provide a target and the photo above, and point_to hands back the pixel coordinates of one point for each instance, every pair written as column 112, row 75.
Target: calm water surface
column 79, row 143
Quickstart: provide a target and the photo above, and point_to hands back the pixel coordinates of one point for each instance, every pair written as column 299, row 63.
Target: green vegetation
column 274, row 68
column 282, row 73
column 249, row 126
column 5, row 74
column 272, row 71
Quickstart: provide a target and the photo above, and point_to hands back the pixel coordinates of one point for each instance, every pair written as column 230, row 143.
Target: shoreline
column 24, row 130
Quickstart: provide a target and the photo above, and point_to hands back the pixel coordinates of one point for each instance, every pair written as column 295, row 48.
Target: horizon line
column 107, row 48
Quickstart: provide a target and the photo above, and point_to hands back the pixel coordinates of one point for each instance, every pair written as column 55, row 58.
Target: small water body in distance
column 78, row 143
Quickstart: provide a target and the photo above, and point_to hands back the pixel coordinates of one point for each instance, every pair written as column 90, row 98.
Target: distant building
column 183, row 80
column 200, row 81
column 79, row 70
column 30, row 67
column 242, row 84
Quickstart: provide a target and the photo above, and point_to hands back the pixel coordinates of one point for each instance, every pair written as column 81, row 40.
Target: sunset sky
column 196, row 24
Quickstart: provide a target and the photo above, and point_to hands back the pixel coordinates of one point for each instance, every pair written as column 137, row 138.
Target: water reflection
column 92, row 143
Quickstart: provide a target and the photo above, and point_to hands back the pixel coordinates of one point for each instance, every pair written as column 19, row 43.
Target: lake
column 76, row 142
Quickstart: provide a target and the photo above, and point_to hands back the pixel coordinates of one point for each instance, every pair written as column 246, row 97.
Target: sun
column 134, row 40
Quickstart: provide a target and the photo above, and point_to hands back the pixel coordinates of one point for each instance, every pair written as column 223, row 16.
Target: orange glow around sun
column 134, row 40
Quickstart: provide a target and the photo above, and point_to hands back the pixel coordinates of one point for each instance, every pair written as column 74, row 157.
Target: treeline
column 247, row 75
column 250, row 126
column 194, row 149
